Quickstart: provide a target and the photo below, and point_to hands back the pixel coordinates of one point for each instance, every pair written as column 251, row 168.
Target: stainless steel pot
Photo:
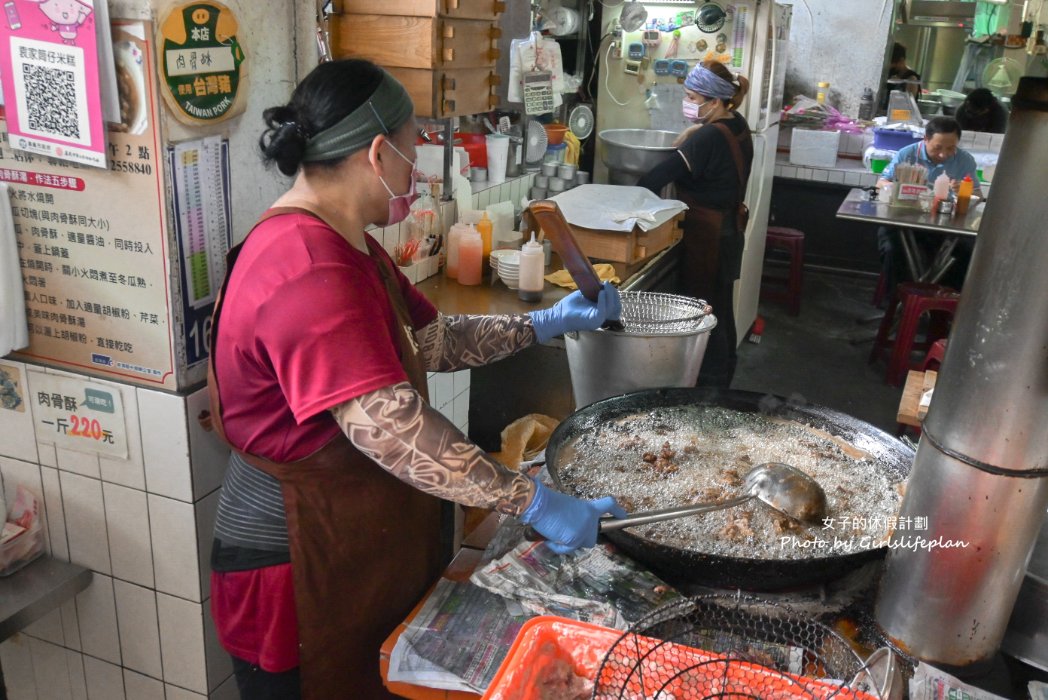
column 607, row 363
column 1027, row 635
column 660, row 343
column 630, row 153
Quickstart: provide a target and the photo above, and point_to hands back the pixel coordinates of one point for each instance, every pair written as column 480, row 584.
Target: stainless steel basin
column 630, row 153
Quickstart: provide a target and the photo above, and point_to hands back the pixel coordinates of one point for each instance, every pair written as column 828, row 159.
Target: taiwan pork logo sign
column 202, row 63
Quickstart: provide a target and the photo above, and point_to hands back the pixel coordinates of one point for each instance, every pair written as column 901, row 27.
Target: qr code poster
column 49, row 70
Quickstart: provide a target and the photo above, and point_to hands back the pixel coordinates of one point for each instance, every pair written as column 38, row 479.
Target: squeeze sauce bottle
column 454, row 236
column 964, row 195
column 532, row 265
column 470, row 255
column 484, row 228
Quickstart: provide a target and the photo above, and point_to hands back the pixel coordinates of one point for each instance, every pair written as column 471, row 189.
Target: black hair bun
column 284, row 140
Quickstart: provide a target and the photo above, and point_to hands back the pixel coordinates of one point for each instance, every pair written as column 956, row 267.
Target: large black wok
column 683, row 565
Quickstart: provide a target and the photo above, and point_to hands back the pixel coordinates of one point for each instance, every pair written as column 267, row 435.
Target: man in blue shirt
column 939, row 153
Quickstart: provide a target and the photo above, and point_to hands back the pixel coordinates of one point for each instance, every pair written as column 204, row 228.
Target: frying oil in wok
column 681, row 455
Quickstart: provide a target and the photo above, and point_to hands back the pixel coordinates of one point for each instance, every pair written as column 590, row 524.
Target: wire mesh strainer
column 728, row 646
column 657, row 313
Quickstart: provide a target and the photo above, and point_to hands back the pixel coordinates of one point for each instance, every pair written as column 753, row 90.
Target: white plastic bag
column 22, row 537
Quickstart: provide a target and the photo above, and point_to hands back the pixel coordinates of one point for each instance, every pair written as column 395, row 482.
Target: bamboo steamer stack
column 443, row 51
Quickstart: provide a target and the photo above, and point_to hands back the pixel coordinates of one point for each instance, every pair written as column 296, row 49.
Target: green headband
column 387, row 108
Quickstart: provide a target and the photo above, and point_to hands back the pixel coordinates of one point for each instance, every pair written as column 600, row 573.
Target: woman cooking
column 710, row 170
column 331, row 523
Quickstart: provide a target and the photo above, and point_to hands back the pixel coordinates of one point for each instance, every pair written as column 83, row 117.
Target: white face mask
column 693, row 113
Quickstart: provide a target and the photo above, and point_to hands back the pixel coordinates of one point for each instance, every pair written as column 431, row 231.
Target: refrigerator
column 634, row 91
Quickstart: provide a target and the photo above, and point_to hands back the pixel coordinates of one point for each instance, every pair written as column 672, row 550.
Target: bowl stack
column 507, row 264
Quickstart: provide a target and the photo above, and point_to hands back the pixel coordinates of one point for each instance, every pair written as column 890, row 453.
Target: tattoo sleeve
column 395, row 427
column 455, row 342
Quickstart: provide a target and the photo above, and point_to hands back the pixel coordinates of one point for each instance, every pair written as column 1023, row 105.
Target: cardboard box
column 627, row 246
column 814, row 148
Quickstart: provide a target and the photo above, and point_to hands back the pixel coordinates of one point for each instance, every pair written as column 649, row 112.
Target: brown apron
column 703, row 227
column 365, row 546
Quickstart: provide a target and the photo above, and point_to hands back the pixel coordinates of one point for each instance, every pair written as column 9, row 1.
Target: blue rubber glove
column 565, row 521
column 577, row 313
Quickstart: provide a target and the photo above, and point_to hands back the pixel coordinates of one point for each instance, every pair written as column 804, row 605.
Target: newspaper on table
column 464, row 631
column 458, row 639
column 931, row 683
column 595, row 585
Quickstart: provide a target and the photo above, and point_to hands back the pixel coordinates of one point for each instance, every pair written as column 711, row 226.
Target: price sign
column 77, row 414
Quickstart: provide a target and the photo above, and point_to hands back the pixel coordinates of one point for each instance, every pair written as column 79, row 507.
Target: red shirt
column 306, row 325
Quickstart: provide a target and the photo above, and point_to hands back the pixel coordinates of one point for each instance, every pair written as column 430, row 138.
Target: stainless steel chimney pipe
column 980, row 476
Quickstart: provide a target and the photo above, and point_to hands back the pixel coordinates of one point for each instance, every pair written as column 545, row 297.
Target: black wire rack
column 729, row 646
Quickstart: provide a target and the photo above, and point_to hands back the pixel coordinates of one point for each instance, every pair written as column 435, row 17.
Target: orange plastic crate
column 651, row 665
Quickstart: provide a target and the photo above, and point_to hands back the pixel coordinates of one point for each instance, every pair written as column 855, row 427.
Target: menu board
column 92, row 243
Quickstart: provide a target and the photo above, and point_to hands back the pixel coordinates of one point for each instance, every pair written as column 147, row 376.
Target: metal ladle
column 781, row 487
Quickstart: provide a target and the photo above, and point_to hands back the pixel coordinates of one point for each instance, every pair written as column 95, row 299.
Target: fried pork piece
column 731, row 477
column 707, row 495
column 784, row 525
column 649, row 457
column 690, row 449
column 738, row 527
column 631, row 442
column 627, row 503
column 554, row 678
column 667, row 452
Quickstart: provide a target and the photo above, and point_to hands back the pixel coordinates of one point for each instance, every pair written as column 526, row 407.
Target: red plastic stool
column 914, row 299
column 786, row 289
column 936, row 353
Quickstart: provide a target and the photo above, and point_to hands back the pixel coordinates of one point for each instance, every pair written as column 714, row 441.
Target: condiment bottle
column 964, row 195
column 470, row 257
column 866, row 105
column 454, row 237
column 532, row 265
column 820, row 96
column 484, row 228
column 941, row 189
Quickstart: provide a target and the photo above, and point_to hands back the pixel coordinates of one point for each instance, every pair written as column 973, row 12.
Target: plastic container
column 497, row 148
column 470, row 258
column 555, row 133
column 532, row 267
column 893, row 139
column 546, row 646
column 964, row 195
column 485, row 228
column 820, row 95
column 454, row 238
column 556, row 154
column 877, row 159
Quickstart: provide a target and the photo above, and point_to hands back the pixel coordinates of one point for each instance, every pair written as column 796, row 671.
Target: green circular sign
column 201, row 61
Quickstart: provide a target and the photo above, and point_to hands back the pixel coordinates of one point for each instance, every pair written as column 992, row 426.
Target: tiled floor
column 820, row 356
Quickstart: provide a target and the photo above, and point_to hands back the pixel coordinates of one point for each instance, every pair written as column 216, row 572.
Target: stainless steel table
column 858, row 206
column 40, row 587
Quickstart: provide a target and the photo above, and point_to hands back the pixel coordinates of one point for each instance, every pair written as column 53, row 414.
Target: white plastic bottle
column 532, row 267
column 454, row 236
column 470, row 257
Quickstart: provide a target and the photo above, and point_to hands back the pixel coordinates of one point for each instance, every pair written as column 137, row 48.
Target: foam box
column 814, row 148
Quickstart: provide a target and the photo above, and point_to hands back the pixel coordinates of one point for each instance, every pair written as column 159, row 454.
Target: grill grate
column 657, row 313
column 729, row 646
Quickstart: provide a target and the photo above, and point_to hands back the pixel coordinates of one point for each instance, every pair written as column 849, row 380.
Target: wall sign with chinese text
column 77, row 414
column 202, row 63
column 49, row 70
column 93, row 244
column 203, row 223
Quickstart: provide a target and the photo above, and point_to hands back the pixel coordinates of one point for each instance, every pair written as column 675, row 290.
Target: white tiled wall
column 142, row 629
